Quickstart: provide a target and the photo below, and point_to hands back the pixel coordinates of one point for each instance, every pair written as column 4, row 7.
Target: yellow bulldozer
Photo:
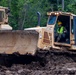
column 30, row 40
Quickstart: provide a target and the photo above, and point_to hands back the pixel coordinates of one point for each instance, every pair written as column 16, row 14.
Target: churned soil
column 48, row 64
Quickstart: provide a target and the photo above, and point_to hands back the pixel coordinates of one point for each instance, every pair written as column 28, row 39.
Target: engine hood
column 35, row 28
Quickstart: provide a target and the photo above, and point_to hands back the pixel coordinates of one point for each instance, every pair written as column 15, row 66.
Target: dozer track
column 20, row 41
column 63, row 51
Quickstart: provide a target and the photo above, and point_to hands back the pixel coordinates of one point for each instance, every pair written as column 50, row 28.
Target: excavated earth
column 46, row 63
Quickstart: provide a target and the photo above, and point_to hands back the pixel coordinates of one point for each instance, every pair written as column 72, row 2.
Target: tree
column 24, row 12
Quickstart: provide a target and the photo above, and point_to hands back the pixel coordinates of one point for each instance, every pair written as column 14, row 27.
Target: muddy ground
column 42, row 64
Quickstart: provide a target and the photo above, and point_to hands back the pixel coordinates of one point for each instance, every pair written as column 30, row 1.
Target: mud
column 42, row 64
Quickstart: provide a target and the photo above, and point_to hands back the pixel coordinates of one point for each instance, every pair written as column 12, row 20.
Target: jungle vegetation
column 24, row 12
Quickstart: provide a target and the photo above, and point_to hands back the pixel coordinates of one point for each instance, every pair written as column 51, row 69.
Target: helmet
column 59, row 23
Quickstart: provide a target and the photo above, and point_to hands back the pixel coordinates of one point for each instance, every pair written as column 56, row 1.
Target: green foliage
column 31, row 13
column 71, row 6
column 24, row 12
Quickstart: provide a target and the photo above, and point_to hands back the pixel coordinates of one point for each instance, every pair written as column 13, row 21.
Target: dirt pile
column 51, row 64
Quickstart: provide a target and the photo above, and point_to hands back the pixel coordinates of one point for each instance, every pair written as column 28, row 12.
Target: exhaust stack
column 39, row 16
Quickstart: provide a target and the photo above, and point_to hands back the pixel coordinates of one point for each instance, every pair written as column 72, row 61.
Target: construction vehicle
column 30, row 40
column 46, row 39
column 14, row 41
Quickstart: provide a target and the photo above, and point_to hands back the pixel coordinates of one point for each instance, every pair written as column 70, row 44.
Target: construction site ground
column 48, row 63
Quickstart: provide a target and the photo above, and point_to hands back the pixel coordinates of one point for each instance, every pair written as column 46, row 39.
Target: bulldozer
column 30, row 40
column 46, row 37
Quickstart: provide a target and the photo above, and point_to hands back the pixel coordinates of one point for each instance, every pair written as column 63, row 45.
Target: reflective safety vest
column 60, row 30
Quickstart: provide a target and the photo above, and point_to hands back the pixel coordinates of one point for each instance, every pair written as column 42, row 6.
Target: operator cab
column 4, row 11
column 65, row 36
column 64, row 18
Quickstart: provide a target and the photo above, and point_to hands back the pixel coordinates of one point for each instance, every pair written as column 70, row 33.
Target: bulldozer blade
column 21, row 41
